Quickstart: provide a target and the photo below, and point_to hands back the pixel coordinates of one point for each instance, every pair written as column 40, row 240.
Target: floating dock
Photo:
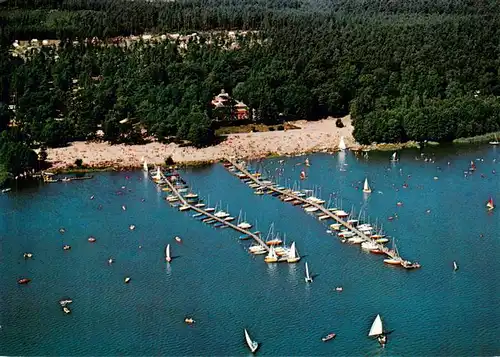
column 220, row 220
column 270, row 187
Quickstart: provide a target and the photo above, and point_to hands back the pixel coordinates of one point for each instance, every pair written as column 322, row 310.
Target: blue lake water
column 432, row 311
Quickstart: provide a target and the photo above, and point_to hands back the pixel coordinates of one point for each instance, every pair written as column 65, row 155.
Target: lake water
column 432, row 311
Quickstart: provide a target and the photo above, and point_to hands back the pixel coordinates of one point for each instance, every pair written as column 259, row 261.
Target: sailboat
column 242, row 222
column 145, row 166
column 157, row 176
column 472, row 166
column 396, row 260
column 496, row 142
column 303, row 175
column 377, row 330
column 490, row 205
column 307, row 163
column 394, row 157
column 272, row 257
column 168, row 258
column 366, row 187
column 342, row 145
column 293, row 255
column 252, row 345
column 455, row 266
column 308, row 278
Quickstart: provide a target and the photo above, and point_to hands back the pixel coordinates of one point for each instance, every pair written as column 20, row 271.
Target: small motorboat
column 66, row 310
column 28, row 255
column 5, row 190
column 127, row 280
column 189, row 320
column 328, row 337
column 131, row 227
column 23, row 281
column 62, row 230
column 339, row 289
column 178, row 239
column 91, row 239
column 66, row 247
column 110, row 261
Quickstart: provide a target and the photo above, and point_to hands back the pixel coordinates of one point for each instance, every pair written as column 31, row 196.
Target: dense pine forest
column 404, row 69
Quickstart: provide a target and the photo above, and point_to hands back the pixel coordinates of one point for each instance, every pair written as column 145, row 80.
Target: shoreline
column 310, row 137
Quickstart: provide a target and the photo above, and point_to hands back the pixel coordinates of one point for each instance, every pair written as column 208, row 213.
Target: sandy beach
column 316, row 136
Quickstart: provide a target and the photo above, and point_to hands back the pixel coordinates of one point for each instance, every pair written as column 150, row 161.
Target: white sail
column 377, row 328
column 158, row 174
column 167, row 253
column 342, row 145
column 395, row 156
column 293, row 251
column 308, row 277
column 252, row 345
column 272, row 253
column 366, row 187
column 145, row 166
column 455, row 266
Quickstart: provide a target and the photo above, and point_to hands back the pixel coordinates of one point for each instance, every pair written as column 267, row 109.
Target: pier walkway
column 221, row 220
column 389, row 252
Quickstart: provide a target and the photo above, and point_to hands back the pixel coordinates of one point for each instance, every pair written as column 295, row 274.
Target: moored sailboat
column 271, row 257
column 252, row 345
column 293, row 255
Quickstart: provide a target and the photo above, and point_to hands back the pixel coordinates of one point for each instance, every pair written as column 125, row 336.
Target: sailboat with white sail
column 342, row 145
column 495, row 142
column 366, row 187
column 157, row 176
column 308, row 277
column 377, row 330
column 168, row 258
column 271, row 257
column 455, row 266
column 252, row 345
column 145, row 166
column 293, row 256
column 394, row 157
column 490, row 205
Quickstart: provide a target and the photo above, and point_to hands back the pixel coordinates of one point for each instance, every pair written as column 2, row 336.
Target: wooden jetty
column 221, row 220
column 269, row 186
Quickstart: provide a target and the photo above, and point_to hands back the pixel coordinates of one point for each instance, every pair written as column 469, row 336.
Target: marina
column 313, row 204
column 209, row 216
column 221, row 219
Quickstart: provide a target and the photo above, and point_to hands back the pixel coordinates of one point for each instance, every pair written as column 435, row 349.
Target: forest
column 405, row 70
